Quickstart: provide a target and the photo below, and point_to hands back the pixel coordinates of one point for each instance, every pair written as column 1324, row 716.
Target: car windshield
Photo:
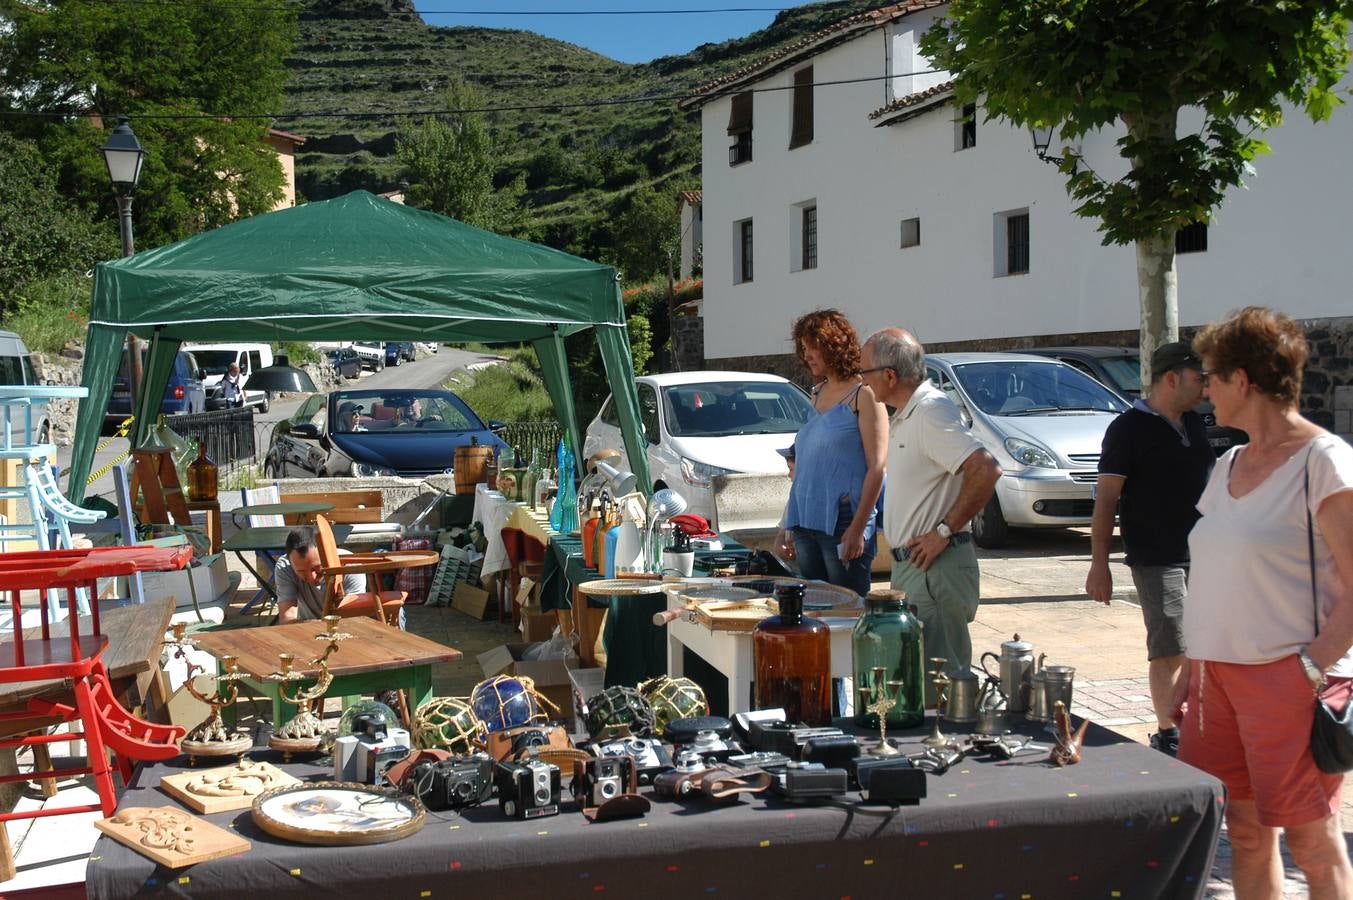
column 1125, row 372
column 721, row 408
column 215, row 362
column 1021, row 388
column 402, row 412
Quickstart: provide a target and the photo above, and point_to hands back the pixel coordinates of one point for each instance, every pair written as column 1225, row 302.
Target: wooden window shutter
column 802, row 132
column 740, row 120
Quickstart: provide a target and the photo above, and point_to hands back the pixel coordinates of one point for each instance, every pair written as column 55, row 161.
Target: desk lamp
column 663, row 505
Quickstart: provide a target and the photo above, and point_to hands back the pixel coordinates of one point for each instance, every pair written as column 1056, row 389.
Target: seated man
column 299, row 579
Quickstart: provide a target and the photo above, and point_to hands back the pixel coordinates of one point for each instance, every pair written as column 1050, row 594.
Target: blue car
column 184, row 393
column 395, row 431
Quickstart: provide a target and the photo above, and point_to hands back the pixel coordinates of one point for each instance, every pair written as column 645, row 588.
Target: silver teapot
column 1014, row 673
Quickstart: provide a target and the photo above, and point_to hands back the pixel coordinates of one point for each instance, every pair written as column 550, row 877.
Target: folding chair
column 264, row 560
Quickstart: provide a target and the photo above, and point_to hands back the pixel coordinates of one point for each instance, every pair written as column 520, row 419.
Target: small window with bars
column 744, row 236
column 808, row 241
column 911, row 233
column 1017, row 244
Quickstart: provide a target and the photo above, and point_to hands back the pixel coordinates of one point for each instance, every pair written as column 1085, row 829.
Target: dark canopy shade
column 354, row 267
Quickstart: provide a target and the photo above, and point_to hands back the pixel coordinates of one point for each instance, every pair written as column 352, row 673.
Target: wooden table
column 376, row 658
column 299, row 510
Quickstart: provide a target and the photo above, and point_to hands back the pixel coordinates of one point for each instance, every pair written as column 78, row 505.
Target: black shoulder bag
column 1331, row 732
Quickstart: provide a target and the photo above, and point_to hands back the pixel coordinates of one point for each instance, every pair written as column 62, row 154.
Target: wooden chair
column 382, row 605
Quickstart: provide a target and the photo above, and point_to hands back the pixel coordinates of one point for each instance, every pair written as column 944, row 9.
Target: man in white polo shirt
column 939, row 477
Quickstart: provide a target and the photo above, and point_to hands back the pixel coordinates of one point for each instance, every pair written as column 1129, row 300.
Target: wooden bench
column 349, row 507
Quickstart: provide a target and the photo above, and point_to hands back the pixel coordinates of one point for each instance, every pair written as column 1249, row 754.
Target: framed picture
column 337, row 812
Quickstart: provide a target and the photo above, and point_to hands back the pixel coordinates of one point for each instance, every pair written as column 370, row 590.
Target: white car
column 703, row 424
column 372, row 354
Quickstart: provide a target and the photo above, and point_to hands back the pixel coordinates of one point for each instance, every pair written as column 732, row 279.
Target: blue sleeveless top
column 829, row 467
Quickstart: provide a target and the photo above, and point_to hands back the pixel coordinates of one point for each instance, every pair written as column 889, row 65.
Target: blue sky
column 629, row 38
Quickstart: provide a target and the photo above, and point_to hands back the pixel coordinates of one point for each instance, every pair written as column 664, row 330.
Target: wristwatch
column 943, row 530
column 1317, row 677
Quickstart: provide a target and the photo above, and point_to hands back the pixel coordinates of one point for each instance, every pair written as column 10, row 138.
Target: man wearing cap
column 1156, row 459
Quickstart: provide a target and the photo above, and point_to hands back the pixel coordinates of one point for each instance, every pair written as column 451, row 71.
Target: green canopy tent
column 354, row 266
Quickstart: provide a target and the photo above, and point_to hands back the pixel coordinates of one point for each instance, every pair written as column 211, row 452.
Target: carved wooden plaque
column 225, row 788
column 169, row 836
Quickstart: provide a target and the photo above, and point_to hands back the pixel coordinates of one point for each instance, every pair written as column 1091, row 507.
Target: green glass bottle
column 888, row 638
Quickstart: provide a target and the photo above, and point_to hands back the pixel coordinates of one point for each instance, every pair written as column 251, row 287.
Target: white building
column 877, row 198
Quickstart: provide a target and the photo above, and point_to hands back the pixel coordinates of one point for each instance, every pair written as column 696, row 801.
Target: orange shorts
column 1255, row 735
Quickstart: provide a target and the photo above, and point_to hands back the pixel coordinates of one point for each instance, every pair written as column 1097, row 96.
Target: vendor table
column 635, row 648
column 1126, row 822
column 269, row 538
column 376, row 658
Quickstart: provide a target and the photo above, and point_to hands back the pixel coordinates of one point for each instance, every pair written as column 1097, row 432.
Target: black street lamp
column 124, row 155
column 1042, row 137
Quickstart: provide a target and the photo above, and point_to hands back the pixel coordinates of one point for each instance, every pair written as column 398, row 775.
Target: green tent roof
column 304, row 273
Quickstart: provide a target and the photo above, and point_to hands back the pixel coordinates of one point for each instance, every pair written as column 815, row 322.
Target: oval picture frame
column 337, row 813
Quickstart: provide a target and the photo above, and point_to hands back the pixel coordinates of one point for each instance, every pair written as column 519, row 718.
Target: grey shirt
column 309, row 598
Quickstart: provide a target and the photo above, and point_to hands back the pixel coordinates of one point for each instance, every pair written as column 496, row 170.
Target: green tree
column 210, row 65
column 1084, row 65
column 646, row 231
column 450, row 161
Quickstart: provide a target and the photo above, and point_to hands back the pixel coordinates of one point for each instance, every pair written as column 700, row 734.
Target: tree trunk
column 1157, row 278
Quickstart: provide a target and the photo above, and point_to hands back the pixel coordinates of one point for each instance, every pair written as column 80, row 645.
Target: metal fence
column 228, row 433
column 529, row 437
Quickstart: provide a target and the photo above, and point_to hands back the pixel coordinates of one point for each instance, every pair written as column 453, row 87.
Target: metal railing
column 528, row 437
column 228, row 433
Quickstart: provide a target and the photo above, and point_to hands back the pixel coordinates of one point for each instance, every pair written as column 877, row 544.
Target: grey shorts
column 1161, row 591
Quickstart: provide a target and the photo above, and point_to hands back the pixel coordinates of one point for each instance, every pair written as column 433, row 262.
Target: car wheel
column 399, row 360
column 271, row 470
column 989, row 529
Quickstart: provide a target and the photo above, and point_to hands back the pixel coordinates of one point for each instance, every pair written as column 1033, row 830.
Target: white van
column 17, row 368
column 215, row 359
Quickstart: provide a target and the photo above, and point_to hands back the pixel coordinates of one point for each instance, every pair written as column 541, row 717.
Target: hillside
column 363, row 58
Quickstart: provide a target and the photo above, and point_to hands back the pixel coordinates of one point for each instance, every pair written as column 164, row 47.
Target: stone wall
column 688, row 343
column 1327, row 394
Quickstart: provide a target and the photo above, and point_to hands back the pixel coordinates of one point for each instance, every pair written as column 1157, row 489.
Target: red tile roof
column 902, row 103
column 806, row 46
column 286, row 136
column 692, row 198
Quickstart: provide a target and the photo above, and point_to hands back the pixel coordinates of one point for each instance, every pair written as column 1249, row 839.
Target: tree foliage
column 450, row 162
column 202, row 63
column 645, row 231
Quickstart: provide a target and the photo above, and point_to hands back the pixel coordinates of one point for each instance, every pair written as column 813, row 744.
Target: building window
column 808, row 239
column 1012, row 242
column 911, row 233
column 802, row 131
column 740, row 129
column 742, row 236
column 1191, row 238
column 965, row 129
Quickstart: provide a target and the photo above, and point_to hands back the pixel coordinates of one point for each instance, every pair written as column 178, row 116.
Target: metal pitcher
column 1015, row 669
column 1038, row 696
column 991, row 709
column 962, row 706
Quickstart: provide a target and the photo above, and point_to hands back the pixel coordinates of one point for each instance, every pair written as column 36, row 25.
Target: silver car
column 1044, row 422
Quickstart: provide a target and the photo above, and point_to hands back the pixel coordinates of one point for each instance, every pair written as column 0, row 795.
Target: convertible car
column 411, row 433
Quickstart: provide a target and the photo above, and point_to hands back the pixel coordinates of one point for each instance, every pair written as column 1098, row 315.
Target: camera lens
column 609, row 789
column 464, row 790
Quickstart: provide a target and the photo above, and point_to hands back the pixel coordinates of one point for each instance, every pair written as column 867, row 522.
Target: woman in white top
column 1257, row 655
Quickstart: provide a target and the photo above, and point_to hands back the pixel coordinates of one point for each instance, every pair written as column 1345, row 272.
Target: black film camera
column 788, row 738
column 595, row 781
column 527, row 790
column 649, row 755
column 811, row 781
column 453, row 783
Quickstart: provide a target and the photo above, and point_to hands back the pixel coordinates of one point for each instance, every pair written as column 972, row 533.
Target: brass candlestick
column 304, row 732
column 883, row 702
column 941, row 681
column 210, row 738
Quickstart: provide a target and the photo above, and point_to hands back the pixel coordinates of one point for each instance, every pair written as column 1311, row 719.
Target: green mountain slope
column 357, row 61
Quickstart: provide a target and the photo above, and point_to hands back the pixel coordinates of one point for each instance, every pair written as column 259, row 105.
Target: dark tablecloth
column 1126, row 822
column 636, row 649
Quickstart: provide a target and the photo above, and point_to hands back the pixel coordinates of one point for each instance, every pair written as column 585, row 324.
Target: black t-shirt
column 1164, row 477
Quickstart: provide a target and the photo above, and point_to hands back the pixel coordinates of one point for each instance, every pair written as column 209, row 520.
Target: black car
column 345, row 361
column 396, row 352
column 1120, row 370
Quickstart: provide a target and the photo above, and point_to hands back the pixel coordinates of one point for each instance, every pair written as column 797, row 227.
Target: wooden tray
column 171, row 837
column 248, row 778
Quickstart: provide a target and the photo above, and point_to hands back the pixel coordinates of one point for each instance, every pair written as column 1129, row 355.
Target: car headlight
column 701, row 474
column 1030, row 454
column 365, row 470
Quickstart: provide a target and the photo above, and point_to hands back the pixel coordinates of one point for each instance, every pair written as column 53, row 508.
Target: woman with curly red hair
column 829, row 522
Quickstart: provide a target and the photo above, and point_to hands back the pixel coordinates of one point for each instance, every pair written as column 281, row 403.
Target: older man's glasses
column 892, row 369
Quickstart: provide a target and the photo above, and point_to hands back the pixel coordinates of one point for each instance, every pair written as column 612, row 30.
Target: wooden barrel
column 470, row 466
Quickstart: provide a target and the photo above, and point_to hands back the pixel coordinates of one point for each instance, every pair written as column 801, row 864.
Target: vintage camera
column 512, row 743
column 527, row 790
column 709, row 736
column 453, row 783
column 649, row 755
column 893, row 779
column 788, row 738
column 760, row 759
column 833, row 751
column 811, row 781
column 596, row 781
column 677, row 781
column 371, row 748
column 744, row 721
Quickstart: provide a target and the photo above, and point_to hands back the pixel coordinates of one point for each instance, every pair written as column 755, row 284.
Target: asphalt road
column 429, row 372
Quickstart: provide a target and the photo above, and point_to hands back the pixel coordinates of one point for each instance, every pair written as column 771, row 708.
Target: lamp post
column 1042, row 138
column 124, row 155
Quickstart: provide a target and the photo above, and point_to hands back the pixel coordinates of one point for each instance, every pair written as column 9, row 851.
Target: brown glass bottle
column 202, row 475
column 792, row 657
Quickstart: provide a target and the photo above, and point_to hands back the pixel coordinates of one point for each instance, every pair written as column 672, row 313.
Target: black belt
column 902, row 554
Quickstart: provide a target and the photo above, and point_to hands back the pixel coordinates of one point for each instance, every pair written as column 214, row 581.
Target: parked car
column 1044, row 422
column 411, row 433
column 16, row 367
column 1120, row 370
column 372, row 354
column 215, row 360
column 396, row 352
column 703, row 424
column 183, row 394
column 345, row 362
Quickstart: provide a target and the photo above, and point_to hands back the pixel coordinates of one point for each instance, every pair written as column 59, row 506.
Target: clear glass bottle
column 533, row 476
column 888, row 638
column 791, row 657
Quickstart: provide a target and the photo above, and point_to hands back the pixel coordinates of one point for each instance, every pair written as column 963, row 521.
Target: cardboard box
column 551, row 676
column 586, row 684
column 210, row 580
column 536, row 625
column 472, row 601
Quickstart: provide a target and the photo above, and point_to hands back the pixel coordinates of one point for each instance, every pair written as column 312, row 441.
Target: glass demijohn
column 791, row 656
